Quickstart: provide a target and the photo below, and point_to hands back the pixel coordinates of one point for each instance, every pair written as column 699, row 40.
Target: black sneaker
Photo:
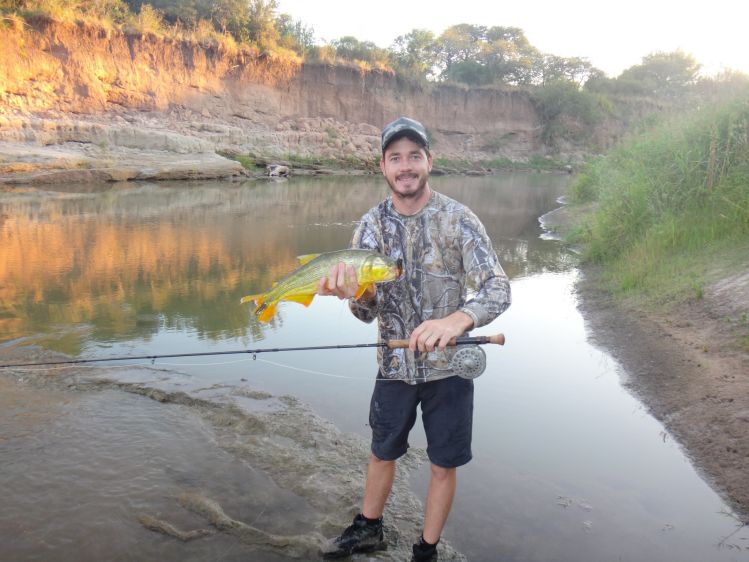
column 360, row 536
column 424, row 552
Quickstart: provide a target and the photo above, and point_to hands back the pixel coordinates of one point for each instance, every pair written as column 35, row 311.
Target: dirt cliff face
column 239, row 100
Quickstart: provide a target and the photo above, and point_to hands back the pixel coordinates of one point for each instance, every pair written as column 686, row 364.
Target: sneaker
column 424, row 552
column 360, row 536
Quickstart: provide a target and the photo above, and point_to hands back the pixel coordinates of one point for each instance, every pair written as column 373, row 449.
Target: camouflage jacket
column 448, row 264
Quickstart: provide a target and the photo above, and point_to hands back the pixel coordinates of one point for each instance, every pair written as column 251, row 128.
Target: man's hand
column 340, row 282
column 433, row 334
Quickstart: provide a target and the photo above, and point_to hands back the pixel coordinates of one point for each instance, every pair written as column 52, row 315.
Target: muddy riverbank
column 688, row 368
column 687, row 363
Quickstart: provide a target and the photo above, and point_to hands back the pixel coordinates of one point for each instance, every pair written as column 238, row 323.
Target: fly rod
column 498, row 339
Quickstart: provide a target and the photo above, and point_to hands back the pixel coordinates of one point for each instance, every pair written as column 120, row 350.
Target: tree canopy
column 473, row 55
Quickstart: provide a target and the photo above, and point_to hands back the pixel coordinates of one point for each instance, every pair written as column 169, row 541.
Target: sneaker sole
column 360, row 550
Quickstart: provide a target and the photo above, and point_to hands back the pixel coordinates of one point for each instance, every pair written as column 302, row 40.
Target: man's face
column 406, row 166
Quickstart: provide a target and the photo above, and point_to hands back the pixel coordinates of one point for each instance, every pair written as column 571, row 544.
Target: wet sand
column 688, row 368
column 290, row 470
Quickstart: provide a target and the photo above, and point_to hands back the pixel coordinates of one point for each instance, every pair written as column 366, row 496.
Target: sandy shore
column 689, row 365
column 690, row 371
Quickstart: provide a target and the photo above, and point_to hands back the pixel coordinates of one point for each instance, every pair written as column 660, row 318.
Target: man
column 451, row 282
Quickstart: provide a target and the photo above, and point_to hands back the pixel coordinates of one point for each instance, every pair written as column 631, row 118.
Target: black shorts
column 446, row 410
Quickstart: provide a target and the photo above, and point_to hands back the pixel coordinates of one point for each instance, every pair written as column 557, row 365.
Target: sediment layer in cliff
column 93, row 92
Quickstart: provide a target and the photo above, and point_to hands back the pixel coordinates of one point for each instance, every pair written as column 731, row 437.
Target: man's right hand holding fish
column 341, row 282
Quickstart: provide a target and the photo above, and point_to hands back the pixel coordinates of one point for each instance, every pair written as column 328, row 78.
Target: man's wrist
column 470, row 318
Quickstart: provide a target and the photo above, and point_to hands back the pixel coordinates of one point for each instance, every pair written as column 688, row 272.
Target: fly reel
column 468, row 362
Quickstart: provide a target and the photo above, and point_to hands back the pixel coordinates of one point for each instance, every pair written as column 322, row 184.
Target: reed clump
column 672, row 204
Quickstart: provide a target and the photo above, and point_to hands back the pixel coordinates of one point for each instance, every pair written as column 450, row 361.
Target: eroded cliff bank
column 99, row 104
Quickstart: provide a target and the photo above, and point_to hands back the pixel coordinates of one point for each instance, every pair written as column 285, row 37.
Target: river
column 568, row 465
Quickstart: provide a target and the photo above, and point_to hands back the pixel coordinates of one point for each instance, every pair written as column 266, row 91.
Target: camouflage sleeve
column 365, row 237
column 487, row 286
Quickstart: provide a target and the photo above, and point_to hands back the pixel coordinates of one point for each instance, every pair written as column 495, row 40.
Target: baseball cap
column 405, row 126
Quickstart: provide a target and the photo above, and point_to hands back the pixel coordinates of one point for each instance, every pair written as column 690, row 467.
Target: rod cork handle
column 498, row 339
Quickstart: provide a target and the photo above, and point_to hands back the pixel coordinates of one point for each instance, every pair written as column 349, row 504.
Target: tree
column 509, row 56
column 563, row 108
column 415, row 54
column 261, row 23
column 295, row 35
column 225, row 15
column 458, row 44
column 477, row 55
column 575, row 69
column 351, row 49
column 661, row 74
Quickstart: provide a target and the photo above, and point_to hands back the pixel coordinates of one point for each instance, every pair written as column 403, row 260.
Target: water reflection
column 131, row 262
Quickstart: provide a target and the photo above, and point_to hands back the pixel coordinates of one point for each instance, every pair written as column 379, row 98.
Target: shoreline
column 685, row 364
column 132, row 146
column 683, row 367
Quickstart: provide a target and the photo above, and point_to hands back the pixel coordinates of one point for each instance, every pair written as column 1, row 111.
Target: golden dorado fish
column 301, row 284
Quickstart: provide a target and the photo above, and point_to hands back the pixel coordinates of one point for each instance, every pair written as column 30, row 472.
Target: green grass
column 671, row 204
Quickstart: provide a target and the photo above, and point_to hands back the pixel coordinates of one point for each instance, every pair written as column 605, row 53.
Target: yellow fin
column 258, row 299
column 267, row 313
column 306, row 258
column 363, row 289
column 306, row 300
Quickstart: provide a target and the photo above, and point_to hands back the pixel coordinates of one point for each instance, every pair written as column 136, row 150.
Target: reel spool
column 468, row 362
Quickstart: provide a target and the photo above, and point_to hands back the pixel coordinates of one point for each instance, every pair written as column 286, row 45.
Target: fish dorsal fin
column 306, row 258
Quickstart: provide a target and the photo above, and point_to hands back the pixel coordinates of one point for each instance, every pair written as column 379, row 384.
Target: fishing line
column 303, row 370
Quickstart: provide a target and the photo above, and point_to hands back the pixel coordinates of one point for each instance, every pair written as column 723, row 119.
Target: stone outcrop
column 153, row 106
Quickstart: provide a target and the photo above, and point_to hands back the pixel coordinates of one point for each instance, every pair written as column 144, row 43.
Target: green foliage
column 148, row 20
column 322, row 53
column 563, row 108
column 60, row 10
column 676, row 192
column 660, row 75
column 260, row 26
column 477, row 55
column 415, row 54
column 10, row 6
column 350, row 49
column 575, row 70
column 587, row 185
column 212, row 22
column 248, row 162
column 295, row 35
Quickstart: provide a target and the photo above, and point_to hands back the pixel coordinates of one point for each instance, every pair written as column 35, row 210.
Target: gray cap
column 404, row 126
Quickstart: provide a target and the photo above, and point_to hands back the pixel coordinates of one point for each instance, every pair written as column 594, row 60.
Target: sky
column 612, row 36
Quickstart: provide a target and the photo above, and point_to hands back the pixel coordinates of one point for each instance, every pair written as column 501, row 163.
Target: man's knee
column 379, row 463
column 442, row 473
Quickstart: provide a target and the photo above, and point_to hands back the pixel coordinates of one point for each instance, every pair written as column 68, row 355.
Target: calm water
column 567, row 465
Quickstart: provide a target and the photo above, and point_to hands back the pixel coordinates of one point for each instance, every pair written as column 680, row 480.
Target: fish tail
column 265, row 312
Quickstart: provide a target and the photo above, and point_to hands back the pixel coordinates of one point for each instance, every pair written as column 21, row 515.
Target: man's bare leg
column 380, row 477
column 439, row 501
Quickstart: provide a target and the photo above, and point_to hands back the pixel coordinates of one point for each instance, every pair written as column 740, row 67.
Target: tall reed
column 671, row 203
